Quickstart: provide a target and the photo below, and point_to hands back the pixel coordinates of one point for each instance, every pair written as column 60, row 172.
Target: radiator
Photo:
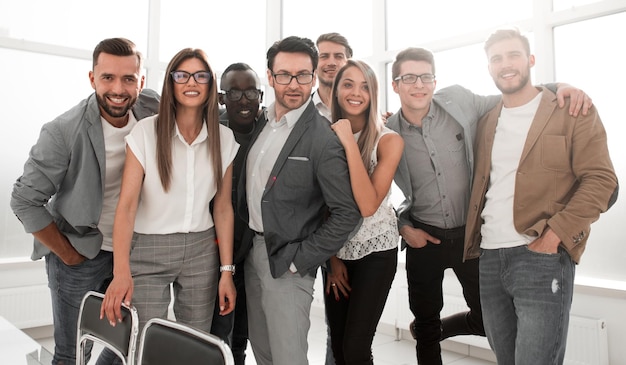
column 26, row 307
column 587, row 342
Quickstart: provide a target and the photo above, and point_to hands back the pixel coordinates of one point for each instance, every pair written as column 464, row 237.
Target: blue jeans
column 526, row 298
column 68, row 285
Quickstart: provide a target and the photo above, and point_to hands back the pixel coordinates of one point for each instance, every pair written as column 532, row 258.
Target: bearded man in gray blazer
column 67, row 194
column 299, row 203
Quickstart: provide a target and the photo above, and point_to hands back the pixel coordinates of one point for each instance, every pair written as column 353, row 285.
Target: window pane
column 350, row 18
column 76, row 24
column 566, row 4
column 470, row 73
column 225, row 32
column 41, row 88
column 597, row 68
column 411, row 23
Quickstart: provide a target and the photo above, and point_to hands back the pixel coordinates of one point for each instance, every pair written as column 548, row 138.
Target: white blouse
column 185, row 207
column 378, row 232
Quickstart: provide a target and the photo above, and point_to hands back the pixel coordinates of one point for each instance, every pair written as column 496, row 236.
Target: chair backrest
column 121, row 339
column 167, row 342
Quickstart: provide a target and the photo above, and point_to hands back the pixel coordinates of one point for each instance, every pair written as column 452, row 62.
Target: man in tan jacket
column 541, row 178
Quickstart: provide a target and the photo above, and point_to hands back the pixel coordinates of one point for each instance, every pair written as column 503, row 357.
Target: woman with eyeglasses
column 164, row 233
column 361, row 273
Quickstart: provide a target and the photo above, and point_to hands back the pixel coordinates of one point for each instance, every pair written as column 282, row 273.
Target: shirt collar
column 291, row 117
column 204, row 133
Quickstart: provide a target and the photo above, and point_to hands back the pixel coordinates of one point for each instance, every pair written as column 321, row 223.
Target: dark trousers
column 425, row 271
column 353, row 319
column 233, row 327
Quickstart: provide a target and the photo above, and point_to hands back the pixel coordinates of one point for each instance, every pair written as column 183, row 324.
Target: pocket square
column 298, row 158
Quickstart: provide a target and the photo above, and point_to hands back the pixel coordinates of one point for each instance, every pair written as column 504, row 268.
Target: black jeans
column 353, row 320
column 425, row 271
column 233, row 327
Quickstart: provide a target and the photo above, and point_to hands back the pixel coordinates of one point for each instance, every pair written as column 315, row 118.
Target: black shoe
column 412, row 329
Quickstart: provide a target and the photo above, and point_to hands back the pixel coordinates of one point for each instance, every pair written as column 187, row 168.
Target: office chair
column 164, row 342
column 121, row 339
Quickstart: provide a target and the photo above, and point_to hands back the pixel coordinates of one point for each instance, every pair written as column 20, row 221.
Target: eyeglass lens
column 182, row 77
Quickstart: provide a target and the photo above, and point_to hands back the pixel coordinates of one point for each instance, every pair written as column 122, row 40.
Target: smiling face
column 241, row 112
column 509, row 65
column 415, row 98
column 353, row 94
column 332, row 58
column 191, row 94
column 117, row 82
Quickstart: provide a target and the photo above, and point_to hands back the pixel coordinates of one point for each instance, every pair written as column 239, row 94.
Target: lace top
column 378, row 232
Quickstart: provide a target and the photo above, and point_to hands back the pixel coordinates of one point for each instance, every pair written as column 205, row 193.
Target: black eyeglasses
column 235, row 95
column 412, row 78
column 182, row 77
column 285, row 79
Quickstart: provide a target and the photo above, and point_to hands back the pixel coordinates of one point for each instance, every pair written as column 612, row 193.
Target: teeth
column 354, row 102
column 244, row 112
column 191, row 93
column 117, row 100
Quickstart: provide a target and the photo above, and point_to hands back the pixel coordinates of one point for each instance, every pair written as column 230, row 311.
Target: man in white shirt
column 541, row 178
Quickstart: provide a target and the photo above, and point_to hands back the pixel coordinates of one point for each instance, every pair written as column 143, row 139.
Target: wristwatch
column 230, row 268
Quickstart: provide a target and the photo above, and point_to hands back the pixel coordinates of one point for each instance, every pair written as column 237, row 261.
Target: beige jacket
column 565, row 177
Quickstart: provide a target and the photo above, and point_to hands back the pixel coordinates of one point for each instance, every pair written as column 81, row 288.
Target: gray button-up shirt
column 438, row 167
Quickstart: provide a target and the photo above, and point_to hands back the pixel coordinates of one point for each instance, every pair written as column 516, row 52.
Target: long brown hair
column 374, row 125
column 166, row 120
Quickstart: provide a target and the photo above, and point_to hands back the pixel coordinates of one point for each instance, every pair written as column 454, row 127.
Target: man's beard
column 115, row 112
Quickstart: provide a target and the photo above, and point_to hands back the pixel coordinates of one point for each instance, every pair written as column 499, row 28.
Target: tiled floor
column 387, row 351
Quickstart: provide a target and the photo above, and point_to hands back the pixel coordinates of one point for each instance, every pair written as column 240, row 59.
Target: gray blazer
column 308, row 208
column 466, row 108
column 63, row 179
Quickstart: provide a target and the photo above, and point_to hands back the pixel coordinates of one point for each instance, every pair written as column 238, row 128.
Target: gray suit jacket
column 308, row 208
column 63, row 178
column 466, row 108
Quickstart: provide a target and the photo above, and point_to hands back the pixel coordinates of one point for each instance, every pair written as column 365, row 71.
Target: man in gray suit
column 68, row 192
column 299, row 203
column 435, row 176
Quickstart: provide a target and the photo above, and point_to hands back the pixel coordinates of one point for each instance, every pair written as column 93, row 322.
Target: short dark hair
column 238, row 66
column 412, row 54
column 508, row 33
column 335, row 38
column 117, row 47
column 292, row 44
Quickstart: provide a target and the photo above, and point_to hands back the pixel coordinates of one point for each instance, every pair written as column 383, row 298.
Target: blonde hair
column 374, row 124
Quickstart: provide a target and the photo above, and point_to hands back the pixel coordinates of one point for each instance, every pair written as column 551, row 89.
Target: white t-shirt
column 185, row 207
column 115, row 152
column 498, row 229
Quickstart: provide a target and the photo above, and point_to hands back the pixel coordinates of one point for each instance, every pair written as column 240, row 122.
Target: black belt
column 441, row 233
column 258, row 233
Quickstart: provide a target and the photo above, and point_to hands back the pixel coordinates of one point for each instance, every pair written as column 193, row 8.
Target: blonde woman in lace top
column 361, row 273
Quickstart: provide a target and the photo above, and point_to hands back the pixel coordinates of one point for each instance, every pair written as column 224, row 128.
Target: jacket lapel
column 545, row 110
column 292, row 141
column 96, row 134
